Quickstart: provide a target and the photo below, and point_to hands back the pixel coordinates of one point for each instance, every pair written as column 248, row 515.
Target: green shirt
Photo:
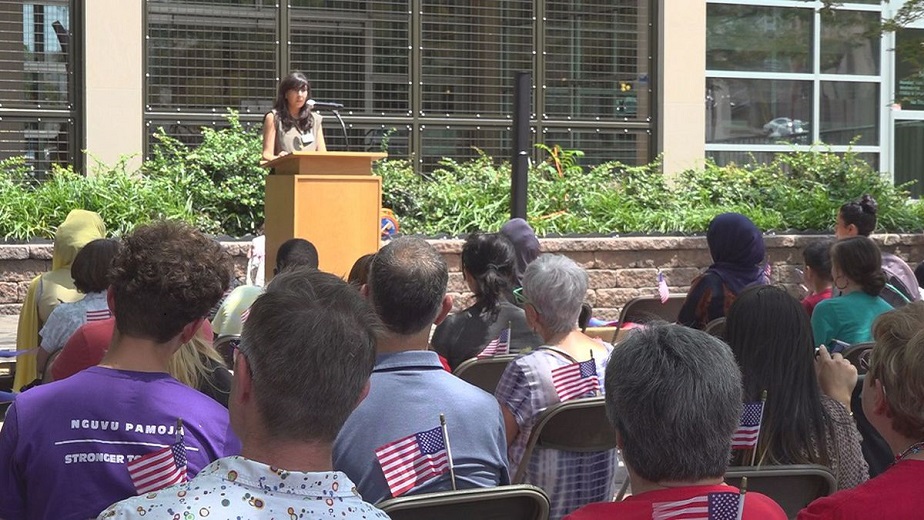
column 848, row 318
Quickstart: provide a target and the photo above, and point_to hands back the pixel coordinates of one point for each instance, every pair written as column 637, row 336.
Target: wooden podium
column 329, row 198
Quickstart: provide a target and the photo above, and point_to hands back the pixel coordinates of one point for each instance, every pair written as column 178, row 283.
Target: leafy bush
column 219, row 187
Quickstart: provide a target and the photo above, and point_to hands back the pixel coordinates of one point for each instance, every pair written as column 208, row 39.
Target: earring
column 837, row 284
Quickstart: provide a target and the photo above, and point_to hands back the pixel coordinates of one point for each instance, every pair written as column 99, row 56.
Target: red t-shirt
column 87, row 346
column 679, row 503
column 810, row 301
column 894, row 495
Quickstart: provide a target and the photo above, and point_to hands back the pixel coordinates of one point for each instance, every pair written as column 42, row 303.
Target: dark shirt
column 464, row 334
column 709, row 298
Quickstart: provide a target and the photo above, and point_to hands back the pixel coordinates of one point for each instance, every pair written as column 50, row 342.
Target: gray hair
column 674, row 396
column 555, row 286
column 310, row 344
column 407, row 283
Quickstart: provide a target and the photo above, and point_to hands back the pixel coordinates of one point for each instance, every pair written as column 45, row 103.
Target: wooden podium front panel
column 339, row 214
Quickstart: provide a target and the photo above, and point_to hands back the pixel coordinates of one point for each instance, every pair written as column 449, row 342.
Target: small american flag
column 100, row 315
column 663, row 290
column 498, row 346
column 747, row 434
column 713, row 506
column 575, row 380
column 159, row 469
column 413, row 460
column 245, row 315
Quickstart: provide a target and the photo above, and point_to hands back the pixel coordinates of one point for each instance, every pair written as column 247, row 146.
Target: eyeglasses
column 520, row 296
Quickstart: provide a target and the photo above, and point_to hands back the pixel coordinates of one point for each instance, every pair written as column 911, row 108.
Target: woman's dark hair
column 359, row 274
column 860, row 260
column 490, row 259
column 817, row 255
column 861, row 213
column 284, row 120
column 90, row 269
column 771, row 336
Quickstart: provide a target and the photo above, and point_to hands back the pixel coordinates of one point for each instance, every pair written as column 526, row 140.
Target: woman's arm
column 269, row 138
column 322, row 147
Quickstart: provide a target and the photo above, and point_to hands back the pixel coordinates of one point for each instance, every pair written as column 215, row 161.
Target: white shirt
column 66, row 318
column 235, row 487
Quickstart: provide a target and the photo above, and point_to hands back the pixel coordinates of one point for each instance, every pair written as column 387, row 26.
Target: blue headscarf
column 737, row 249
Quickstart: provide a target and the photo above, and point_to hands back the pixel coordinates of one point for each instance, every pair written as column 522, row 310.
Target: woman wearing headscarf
column 737, row 249
column 56, row 286
column 525, row 244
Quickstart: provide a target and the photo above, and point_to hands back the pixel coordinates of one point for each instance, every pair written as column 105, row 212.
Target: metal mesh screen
column 42, row 141
column 470, row 52
column 34, row 59
column 205, row 56
column 189, row 132
column 368, row 137
column 355, row 53
column 599, row 146
column 596, row 59
column 462, row 142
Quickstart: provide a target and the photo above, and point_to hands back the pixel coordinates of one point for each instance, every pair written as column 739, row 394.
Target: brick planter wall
column 619, row 268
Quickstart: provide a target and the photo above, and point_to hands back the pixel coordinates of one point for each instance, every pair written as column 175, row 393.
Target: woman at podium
column 291, row 126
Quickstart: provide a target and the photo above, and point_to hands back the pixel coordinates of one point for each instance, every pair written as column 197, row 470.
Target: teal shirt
column 848, row 318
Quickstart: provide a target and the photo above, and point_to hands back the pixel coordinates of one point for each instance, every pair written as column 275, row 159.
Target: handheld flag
column 663, row 290
column 575, row 380
column 413, row 460
column 713, row 506
column 161, row 468
column 452, row 469
column 747, row 435
column 498, row 346
column 245, row 315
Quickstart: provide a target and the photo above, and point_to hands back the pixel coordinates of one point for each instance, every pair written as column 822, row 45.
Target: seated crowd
column 338, row 395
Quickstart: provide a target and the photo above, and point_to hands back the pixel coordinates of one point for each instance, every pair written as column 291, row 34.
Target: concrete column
column 113, row 104
column 682, row 78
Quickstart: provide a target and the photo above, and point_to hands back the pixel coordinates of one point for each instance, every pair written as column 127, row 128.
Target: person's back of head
column 674, row 396
column 770, row 335
column 359, row 273
column 734, row 239
column 166, row 276
column 407, row 284
column 309, row 342
column 857, row 217
column 490, row 260
column 525, row 243
column 296, row 252
column 91, row 266
column 859, row 259
column 555, row 286
column 897, row 361
column 817, row 258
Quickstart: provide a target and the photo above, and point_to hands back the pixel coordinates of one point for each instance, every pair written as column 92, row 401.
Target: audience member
column 302, row 366
column 292, row 253
column 488, row 267
column 893, row 401
column 919, row 274
column 674, row 396
column 47, row 290
column 553, row 289
column 198, row 365
column 410, row 390
column 817, row 274
column 65, row 446
column 359, row 274
column 737, row 249
column 771, row 337
column 858, row 218
column 525, row 243
column 857, row 272
column 90, row 271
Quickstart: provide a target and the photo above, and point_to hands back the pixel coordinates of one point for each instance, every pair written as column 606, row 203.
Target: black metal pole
column 520, row 161
column 346, row 136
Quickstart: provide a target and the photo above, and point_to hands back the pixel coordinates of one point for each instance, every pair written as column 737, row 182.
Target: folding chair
column 578, row 425
column 643, row 309
column 716, row 328
column 483, row 373
column 522, row 502
column 858, row 355
column 792, row 486
column 225, row 346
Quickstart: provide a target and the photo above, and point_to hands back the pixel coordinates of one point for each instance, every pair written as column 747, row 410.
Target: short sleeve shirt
column 68, row 317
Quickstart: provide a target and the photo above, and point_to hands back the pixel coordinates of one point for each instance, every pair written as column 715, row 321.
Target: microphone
column 324, row 105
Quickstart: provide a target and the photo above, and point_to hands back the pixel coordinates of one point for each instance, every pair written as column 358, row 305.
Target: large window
column 37, row 108
column 784, row 74
column 427, row 78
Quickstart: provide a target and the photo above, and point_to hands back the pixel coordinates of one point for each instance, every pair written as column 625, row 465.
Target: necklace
column 911, row 450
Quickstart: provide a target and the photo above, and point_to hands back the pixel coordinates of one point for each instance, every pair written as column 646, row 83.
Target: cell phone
column 838, row 346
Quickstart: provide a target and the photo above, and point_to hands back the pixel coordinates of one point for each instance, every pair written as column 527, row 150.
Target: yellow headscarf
column 53, row 287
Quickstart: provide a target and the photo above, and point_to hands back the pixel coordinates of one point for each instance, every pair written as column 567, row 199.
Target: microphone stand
column 346, row 136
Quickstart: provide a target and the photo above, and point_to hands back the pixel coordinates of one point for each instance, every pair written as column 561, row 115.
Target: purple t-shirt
column 65, row 445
